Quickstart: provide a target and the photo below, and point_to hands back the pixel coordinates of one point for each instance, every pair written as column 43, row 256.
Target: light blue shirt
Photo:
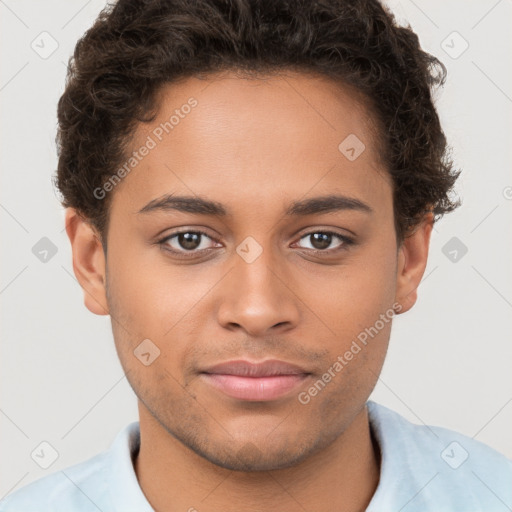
column 423, row 469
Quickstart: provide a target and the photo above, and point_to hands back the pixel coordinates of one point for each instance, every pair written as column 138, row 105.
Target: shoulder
column 437, row 468
column 80, row 487
column 105, row 482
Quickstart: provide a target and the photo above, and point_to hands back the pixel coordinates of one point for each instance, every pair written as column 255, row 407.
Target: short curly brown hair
column 137, row 46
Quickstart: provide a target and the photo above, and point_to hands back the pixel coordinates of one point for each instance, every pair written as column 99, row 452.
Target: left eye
column 321, row 240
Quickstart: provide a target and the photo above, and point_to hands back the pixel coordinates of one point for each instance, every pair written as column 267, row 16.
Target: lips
column 268, row 380
column 267, row 368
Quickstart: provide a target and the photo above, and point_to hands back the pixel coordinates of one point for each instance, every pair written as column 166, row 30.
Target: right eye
column 186, row 243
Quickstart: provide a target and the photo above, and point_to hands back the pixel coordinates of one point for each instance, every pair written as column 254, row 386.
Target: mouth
column 243, row 380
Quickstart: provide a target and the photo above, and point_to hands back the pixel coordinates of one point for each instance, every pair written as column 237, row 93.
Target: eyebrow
column 312, row 206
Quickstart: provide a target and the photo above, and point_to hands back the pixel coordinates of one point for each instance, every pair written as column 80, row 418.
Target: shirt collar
column 392, row 437
column 125, row 492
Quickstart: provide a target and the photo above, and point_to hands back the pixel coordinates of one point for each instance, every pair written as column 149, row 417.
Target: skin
column 254, row 146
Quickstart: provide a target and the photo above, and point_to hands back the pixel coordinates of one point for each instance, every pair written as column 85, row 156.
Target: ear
column 412, row 260
column 88, row 261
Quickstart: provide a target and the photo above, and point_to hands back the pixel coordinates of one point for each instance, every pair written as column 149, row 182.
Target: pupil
column 321, row 240
column 189, row 240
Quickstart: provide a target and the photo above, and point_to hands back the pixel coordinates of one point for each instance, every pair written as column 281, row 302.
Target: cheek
column 150, row 299
column 355, row 294
column 148, row 292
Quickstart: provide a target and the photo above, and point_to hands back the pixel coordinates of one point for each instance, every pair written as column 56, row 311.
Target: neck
column 342, row 477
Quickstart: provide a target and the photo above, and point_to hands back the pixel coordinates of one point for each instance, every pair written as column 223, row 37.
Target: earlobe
column 88, row 261
column 411, row 263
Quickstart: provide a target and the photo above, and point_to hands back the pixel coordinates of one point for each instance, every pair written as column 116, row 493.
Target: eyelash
column 346, row 242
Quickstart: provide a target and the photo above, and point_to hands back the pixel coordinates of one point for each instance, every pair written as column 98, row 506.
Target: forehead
column 229, row 137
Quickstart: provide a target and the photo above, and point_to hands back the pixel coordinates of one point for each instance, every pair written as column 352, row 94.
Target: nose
column 258, row 297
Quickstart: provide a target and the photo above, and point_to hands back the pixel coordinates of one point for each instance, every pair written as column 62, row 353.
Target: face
column 252, row 229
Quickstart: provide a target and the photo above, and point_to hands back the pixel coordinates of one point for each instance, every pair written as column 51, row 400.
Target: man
column 250, row 191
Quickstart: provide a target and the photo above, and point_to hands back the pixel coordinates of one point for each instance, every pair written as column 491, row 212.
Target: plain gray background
column 449, row 362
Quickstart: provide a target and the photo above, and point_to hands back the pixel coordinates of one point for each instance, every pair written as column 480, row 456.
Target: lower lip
column 254, row 388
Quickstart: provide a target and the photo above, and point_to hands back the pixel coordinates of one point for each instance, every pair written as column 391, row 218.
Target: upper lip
column 267, row 368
